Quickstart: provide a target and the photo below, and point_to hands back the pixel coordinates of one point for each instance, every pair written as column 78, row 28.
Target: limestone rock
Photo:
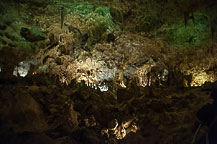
column 32, row 35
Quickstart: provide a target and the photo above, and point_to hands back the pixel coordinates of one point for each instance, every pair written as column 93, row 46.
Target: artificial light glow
column 198, row 79
column 15, row 71
column 103, row 87
column 22, row 69
column 120, row 131
column 93, row 73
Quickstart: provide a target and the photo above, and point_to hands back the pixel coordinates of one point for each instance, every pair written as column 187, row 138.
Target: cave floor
column 58, row 114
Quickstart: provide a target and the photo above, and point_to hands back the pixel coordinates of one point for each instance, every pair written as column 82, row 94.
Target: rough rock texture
column 31, row 35
column 147, row 63
column 86, row 115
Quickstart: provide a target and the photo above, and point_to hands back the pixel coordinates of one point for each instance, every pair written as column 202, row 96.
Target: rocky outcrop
column 32, row 35
column 96, row 79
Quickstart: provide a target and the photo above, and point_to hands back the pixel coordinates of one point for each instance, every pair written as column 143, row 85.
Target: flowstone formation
column 125, row 59
column 117, row 57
